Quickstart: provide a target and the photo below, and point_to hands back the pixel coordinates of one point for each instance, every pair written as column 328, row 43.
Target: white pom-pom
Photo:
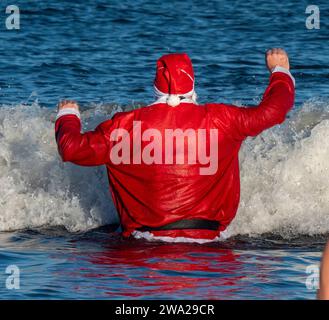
column 173, row 100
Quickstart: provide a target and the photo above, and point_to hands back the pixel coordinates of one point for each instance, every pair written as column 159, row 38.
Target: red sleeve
column 85, row 149
column 242, row 122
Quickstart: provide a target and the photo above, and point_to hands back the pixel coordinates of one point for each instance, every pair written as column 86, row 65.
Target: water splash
column 284, row 176
column 37, row 189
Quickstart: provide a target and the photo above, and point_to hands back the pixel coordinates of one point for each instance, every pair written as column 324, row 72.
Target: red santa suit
column 174, row 199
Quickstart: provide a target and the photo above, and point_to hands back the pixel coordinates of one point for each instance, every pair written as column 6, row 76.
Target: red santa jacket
column 157, row 194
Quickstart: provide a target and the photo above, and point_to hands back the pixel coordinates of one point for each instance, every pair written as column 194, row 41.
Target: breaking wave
column 284, row 175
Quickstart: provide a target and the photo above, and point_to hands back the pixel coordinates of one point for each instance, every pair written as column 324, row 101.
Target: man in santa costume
column 176, row 196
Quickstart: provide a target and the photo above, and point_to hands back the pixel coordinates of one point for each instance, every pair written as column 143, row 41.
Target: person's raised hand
column 68, row 104
column 276, row 57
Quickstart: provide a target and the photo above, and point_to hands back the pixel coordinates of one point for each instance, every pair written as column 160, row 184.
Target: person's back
column 173, row 166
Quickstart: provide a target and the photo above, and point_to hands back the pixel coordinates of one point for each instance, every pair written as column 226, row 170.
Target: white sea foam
column 284, row 176
column 37, row 189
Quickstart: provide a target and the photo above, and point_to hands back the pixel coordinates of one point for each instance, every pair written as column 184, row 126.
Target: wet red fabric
column 158, row 194
column 174, row 74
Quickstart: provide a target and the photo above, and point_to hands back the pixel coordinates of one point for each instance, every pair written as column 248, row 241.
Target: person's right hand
column 68, row 104
column 276, row 57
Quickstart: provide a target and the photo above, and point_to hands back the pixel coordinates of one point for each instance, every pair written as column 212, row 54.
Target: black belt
column 199, row 224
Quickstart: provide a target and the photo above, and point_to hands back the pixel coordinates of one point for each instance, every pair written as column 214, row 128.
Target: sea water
column 57, row 221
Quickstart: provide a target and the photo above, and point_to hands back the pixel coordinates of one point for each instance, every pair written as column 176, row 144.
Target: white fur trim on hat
column 194, row 97
column 190, row 97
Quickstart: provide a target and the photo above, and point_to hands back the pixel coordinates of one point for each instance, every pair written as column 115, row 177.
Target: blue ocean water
column 102, row 54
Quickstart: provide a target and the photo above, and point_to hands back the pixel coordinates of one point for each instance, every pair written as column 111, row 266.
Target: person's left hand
column 68, row 104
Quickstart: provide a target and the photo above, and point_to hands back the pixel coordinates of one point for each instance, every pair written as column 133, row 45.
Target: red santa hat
column 175, row 78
